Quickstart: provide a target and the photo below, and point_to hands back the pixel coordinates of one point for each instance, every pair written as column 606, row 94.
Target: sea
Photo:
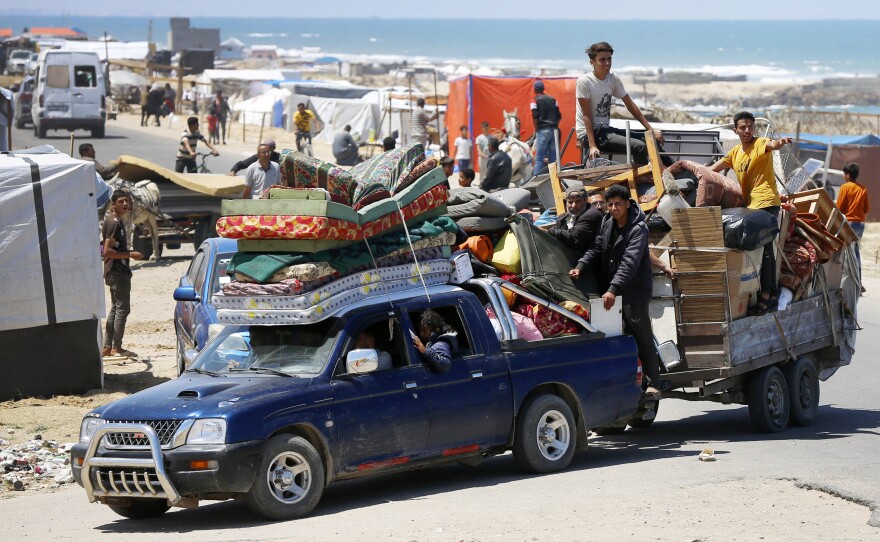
column 763, row 51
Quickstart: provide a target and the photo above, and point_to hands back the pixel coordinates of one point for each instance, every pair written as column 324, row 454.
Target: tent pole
column 827, row 163
column 437, row 105
column 262, row 123
column 797, row 141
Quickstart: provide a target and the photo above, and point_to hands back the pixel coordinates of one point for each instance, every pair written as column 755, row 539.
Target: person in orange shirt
column 852, row 200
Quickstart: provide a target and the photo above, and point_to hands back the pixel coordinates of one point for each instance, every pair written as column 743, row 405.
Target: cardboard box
column 744, row 271
column 462, row 270
column 833, row 270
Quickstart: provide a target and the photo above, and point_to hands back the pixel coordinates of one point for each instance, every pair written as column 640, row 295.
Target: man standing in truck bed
column 620, row 252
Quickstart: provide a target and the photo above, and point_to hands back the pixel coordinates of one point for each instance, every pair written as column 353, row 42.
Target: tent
column 818, row 142
column 476, row 98
column 272, row 108
column 336, row 113
column 51, row 287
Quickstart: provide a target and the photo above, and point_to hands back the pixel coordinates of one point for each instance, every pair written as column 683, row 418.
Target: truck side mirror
column 361, row 360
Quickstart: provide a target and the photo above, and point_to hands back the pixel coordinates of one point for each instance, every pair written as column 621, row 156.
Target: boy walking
column 852, row 200
column 117, row 274
column 463, row 147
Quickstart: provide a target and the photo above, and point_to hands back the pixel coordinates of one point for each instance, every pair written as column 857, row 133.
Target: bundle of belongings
column 503, row 242
column 328, row 237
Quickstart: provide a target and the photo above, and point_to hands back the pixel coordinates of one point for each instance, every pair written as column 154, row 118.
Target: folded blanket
column 712, row 188
column 263, row 266
column 287, row 227
column 417, row 173
column 302, row 171
column 386, row 170
column 284, row 287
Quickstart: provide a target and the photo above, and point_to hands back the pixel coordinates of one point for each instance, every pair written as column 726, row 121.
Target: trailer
column 189, row 203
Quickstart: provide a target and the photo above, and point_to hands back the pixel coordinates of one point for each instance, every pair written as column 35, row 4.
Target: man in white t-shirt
column 463, row 148
column 595, row 92
column 483, row 146
column 261, row 175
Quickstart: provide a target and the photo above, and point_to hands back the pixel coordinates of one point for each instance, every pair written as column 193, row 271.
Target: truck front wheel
column 290, row 479
column 803, row 388
column 769, row 404
column 142, row 508
column 545, row 435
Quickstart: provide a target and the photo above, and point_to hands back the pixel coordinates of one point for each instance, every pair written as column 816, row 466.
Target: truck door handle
column 78, row 95
column 409, row 385
column 477, row 374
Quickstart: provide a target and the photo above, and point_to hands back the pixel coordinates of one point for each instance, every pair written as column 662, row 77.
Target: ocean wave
column 267, row 35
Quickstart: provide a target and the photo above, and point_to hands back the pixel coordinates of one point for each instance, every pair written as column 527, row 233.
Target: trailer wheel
column 545, row 435
column 142, row 508
column 803, row 388
column 204, row 228
column 142, row 244
column 290, row 479
column 768, row 398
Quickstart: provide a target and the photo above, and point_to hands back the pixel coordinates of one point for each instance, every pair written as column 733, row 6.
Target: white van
column 69, row 93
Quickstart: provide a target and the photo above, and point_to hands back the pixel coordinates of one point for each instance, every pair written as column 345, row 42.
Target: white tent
column 51, row 290
column 336, row 113
column 265, row 109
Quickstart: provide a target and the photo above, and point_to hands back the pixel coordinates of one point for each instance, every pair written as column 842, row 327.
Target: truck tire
column 290, row 479
column 181, row 359
column 142, row 508
column 803, row 389
column 142, row 244
column 205, row 227
column 545, row 435
column 40, row 131
column 768, row 398
column 98, row 132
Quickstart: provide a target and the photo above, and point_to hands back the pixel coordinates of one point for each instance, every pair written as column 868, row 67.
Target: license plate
column 57, row 107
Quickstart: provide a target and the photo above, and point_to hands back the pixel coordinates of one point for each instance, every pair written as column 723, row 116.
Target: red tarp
column 476, row 98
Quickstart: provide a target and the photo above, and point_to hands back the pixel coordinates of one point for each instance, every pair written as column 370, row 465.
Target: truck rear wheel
column 98, row 132
column 142, row 244
column 545, row 435
column 142, row 508
column 768, row 398
column 204, row 228
column 803, row 389
column 290, row 479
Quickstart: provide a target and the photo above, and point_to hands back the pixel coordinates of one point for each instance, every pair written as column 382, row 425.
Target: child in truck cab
column 436, row 341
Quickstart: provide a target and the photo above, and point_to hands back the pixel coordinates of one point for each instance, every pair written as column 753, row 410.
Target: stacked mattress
column 329, row 237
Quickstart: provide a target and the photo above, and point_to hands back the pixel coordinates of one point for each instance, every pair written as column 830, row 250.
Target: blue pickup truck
column 271, row 414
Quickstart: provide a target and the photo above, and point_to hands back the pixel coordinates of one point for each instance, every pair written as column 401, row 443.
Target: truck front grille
column 127, row 482
column 164, row 429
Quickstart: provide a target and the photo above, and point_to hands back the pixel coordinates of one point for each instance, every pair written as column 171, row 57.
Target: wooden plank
column 710, row 329
column 694, row 260
column 558, row 192
column 709, row 283
column 656, row 173
column 702, row 309
column 698, row 227
column 592, row 172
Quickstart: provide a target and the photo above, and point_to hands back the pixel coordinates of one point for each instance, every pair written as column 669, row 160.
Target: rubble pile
column 35, row 463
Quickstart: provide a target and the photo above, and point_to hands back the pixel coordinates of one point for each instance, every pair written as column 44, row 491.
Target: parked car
column 17, row 62
column 195, row 319
column 271, row 413
column 31, row 66
column 23, row 99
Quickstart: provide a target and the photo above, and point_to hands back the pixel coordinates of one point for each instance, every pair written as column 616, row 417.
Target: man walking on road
column 117, row 274
column 620, row 252
column 852, row 200
column 546, row 117
column 261, row 175
column 186, row 152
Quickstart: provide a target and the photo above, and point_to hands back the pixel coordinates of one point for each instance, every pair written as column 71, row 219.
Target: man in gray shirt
column 420, row 120
column 345, row 149
column 260, row 175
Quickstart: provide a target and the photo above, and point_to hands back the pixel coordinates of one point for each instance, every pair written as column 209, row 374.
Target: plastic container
column 669, row 202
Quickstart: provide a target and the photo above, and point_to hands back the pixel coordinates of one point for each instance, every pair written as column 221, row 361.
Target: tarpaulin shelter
column 861, row 149
column 273, row 108
column 51, row 287
column 477, row 98
column 363, row 117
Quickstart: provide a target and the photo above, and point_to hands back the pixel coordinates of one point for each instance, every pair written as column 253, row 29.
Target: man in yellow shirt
column 752, row 161
column 302, row 122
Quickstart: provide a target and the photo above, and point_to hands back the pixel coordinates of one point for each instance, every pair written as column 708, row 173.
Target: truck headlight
column 207, row 431
column 89, row 427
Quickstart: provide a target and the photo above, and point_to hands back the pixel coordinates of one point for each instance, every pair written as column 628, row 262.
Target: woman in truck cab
column 436, row 341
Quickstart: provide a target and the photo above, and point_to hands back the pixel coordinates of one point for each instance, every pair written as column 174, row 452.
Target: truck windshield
column 293, row 349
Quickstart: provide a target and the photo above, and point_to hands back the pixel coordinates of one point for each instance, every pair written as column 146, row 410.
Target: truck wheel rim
column 805, row 391
column 289, row 477
column 553, row 435
column 775, row 400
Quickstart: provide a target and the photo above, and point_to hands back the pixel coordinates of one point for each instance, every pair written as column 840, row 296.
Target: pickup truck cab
column 273, row 413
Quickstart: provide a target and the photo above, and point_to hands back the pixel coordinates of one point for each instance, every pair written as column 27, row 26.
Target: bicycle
column 202, row 168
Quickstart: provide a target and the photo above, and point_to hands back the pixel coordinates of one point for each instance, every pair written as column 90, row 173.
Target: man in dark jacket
column 546, row 117
column 499, row 168
column 577, row 228
column 621, row 252
column 241, row 165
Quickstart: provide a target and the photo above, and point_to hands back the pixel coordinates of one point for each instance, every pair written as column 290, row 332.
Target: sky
column 467, row 9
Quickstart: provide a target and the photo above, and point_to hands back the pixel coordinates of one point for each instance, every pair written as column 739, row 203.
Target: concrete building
column 182, row 37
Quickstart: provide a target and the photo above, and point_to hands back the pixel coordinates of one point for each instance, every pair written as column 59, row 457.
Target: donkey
column 145, row 209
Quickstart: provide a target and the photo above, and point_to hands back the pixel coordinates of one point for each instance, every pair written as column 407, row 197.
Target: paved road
column 157, row 144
